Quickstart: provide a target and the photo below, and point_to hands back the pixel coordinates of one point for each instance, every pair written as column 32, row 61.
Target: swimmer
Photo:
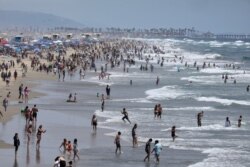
column 173, row 135
column 239, row 121
column 157, row 80
column 227, row 123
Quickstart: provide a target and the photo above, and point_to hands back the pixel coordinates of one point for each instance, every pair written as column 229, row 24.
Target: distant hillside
column 34, row 19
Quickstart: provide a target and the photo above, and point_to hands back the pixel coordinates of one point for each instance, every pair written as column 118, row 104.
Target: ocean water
column 182, row 95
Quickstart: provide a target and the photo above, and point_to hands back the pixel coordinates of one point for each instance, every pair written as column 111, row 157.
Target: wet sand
column 72, row 120
column 13, row 88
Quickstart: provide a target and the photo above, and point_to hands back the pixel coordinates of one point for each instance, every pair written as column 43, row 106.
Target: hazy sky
column 214, row 15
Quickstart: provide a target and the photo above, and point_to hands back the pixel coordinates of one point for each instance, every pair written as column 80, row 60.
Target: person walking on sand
column 75, row 149
column 26, row 94
column 125, row 115
column 5, row 104
column 15, row 75
column 1, row 113
column 148, row 149
column 118, row 142
column 8, row 95
column 173, row 135
column 94, row 122
column 20, row 89
column 16, row 142
column 40, row 130
column 157, row 150
column 134, row 137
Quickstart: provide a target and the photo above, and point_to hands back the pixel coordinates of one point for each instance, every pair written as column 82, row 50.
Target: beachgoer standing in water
column 75, row 149
column 69, row 147
column 239, row 121
column 40, row 130
column 159, row 111
column 157, row 80
column 227, row 123
column 173, row 135
column 157, row 150
column 125, row 113
column 34, row 112
column 199, row 117
column 64, row 145
column 75, row 97
column 108, row 91
column 155, row 111
column 148, row 149
column 16, row 142
column 94, row 122
column 103, row 102
column 29, row 131
column 70, row 96
column 118, row 142
column 134, row 136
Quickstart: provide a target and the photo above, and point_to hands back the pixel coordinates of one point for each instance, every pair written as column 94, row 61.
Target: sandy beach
column 65, row 120
column 13, row 88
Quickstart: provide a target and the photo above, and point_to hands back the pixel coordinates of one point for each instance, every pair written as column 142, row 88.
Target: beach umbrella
column 18, row 50
column 37, row 50
column 3, row 42
column 7, row 45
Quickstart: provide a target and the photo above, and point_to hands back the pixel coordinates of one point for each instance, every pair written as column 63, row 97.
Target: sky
column 218, row 16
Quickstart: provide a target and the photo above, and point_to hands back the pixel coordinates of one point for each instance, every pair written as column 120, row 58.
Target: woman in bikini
column 40, row 130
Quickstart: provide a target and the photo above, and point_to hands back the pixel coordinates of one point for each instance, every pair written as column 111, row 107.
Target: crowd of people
column 84, row 59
